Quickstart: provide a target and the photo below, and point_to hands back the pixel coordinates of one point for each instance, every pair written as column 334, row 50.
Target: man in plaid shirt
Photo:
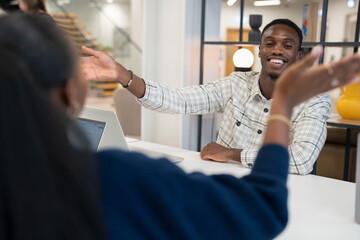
column 244, row 98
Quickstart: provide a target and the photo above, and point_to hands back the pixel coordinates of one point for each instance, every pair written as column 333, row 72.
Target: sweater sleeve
column 145, row 198
column 309, row 135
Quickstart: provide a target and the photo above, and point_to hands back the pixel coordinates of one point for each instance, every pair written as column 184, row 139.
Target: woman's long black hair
column 48, row 188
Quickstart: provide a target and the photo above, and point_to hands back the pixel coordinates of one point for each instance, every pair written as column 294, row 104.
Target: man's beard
column 273, row 76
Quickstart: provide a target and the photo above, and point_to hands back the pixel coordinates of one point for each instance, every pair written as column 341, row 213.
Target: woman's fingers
column 303, row 81
column 310, row 59
column 344, row 70
column 296, row 75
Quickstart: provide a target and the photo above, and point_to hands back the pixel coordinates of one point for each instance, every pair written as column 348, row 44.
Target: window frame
column 322, row 42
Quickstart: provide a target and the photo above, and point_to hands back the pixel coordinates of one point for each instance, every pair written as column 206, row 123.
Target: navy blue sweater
column 154, row 199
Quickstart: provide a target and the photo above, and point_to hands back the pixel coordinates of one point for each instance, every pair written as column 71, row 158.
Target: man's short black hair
column 288, row 23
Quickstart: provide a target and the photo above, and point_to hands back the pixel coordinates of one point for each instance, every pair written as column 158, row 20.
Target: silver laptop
column 103, row 130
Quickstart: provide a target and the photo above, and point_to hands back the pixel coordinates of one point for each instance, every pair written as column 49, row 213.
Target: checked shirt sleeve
column 201, row 99
column 309, row 135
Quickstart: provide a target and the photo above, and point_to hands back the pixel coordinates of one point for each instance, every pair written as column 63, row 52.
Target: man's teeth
column 278, row 61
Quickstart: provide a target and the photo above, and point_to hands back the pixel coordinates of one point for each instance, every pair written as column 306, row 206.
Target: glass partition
column 341, row 20
column 306, row 14
column 106, row 26
column 334, row 24
column 337, row 31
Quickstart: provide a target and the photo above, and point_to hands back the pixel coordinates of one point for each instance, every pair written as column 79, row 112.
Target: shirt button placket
column 266, row 110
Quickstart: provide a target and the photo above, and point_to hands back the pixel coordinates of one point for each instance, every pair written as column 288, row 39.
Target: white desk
column 319, row 207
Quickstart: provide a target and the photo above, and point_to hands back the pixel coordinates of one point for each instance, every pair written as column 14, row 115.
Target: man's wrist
column 234, row 154
column 122, row 75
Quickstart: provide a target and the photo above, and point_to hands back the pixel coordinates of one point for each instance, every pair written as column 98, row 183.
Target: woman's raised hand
column 302, row 81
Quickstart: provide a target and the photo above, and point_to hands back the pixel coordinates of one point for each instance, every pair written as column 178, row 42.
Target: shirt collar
column 255, row 89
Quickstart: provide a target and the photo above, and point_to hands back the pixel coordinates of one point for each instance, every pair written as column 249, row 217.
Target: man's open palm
column 100, row 66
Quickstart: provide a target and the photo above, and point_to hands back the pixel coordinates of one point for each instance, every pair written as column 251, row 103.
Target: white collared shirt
column 245, row 112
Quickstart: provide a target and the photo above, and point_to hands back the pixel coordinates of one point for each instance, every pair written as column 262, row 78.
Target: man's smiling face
column 278, row 50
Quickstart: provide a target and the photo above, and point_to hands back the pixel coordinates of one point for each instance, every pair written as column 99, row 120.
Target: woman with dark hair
column 51, row 187
column 33, row 6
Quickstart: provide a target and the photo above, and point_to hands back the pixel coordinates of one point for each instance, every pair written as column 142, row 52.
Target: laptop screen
column 102, row 128
column 93, row 131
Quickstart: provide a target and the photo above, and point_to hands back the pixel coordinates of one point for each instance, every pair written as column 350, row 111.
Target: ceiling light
column 267, row 3
column 231, row 2
column 351, row 4
column 110, row 1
